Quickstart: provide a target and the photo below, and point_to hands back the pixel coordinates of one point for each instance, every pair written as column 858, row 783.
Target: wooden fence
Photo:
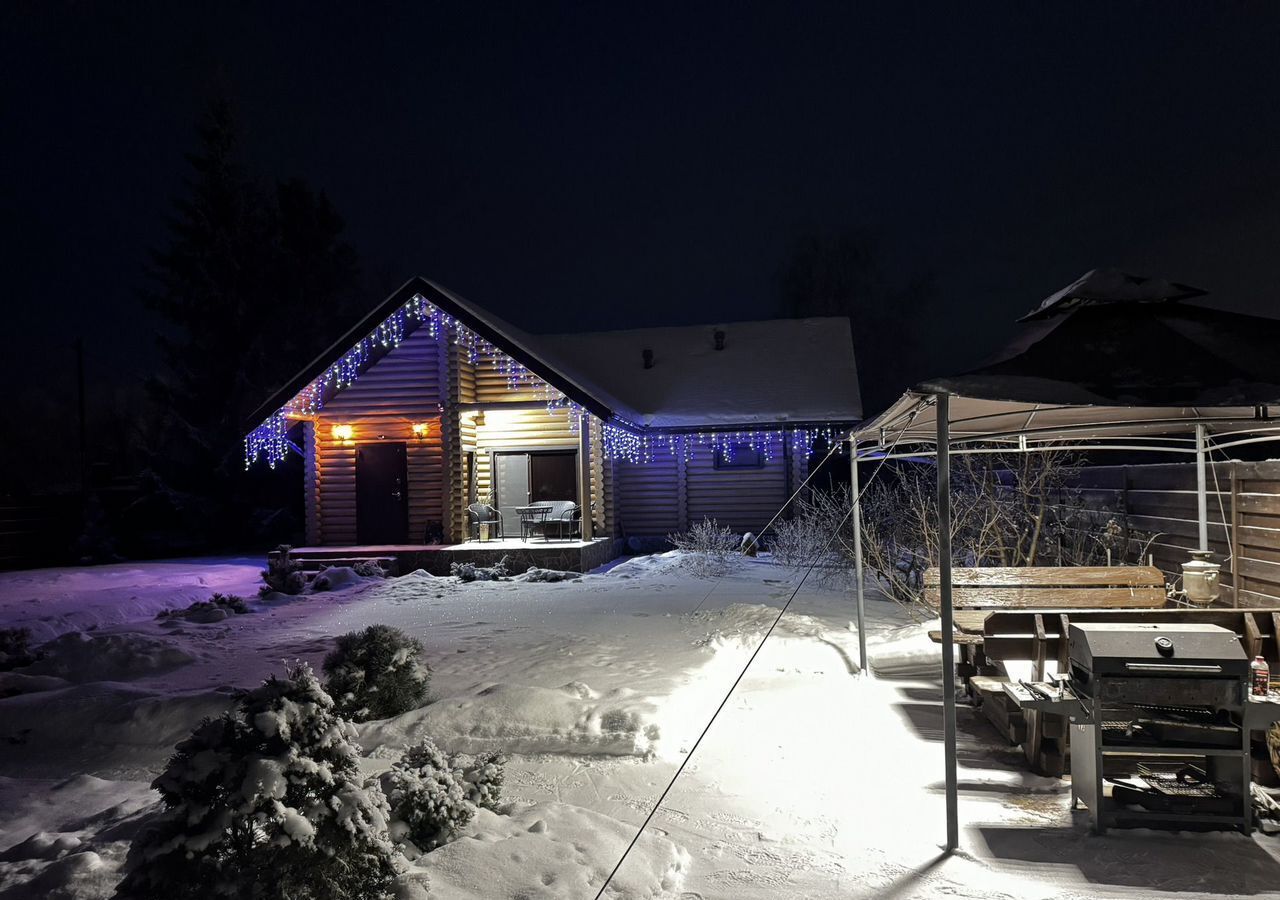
column 1244, row 518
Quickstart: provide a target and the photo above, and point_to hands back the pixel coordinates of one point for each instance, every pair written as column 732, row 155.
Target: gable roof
column 768, row 372
column 782, row 370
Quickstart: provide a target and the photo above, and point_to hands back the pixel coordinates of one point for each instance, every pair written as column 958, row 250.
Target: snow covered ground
column 814, row 782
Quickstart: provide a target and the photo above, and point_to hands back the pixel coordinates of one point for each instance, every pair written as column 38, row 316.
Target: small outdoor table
column 531, row 517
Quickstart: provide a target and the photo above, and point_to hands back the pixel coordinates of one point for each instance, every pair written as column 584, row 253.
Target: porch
column 568, row 555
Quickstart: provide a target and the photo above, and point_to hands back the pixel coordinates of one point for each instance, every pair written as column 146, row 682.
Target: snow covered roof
column 768, row 372
column 777, row 370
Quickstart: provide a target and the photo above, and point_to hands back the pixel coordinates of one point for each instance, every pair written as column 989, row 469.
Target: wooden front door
column 382, row 494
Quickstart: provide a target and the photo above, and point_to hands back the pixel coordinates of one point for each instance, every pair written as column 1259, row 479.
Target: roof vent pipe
column 647, row 354
column 719, row 339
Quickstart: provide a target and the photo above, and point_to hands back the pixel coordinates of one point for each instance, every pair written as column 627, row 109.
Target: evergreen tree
column 376, row 673
column 251, row 285
column 267, row 803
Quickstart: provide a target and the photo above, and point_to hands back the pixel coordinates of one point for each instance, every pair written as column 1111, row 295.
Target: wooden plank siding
column 1243, row 514
column 669, row 493
column 739, row 499
column 402, row 388
column 647, row 495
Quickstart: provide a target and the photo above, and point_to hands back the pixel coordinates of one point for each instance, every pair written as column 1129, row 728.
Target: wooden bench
column 1041, row 592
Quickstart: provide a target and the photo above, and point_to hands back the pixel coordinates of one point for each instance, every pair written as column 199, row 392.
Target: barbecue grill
column 1162, row 718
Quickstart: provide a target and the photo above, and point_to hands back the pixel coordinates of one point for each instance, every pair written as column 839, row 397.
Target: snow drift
column 550, row 851
column 80, row 657
column 907, row 652
column 523, row 719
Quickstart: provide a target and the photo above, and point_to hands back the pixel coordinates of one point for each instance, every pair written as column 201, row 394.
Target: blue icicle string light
column 622, row 440
column 268, row 442
column 629, row 443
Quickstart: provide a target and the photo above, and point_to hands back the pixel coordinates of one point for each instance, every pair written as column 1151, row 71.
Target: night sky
column 576, row 167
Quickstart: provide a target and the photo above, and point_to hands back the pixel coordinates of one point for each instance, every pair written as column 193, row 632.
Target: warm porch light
column 343, row 433
column 420, row 429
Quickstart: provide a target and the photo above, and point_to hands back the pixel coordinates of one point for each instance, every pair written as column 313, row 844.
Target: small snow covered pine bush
column 369, row 568
column 466, row 571
column 267, row 802
column 230, row 604
column 283, row 573
column 433, row 796
column 15, row 648
column 428, row 798
column 709, row 548
column 482, row 776
column 376, row 673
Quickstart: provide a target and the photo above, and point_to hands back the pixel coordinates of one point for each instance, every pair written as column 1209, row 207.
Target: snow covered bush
column 266, row 802
column 15, row 648
column 217, row 607
column 709, row 548
column 369, row 568
column 807, row 538
column 428, row 798
column 433, row 796
column 482, row 775
column 283, row 573
column 471, row 572
column 546, row 576
column 376, row 673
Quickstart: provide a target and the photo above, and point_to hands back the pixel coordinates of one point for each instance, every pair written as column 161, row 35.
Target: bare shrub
column 819, row 534
column 708, row 548
column 1017, row 509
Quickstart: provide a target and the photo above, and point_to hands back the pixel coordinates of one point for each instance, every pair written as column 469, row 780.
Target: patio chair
column 484, row 514
column 564, row 520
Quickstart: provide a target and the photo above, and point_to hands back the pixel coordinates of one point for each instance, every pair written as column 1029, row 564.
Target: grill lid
column 1154, row 649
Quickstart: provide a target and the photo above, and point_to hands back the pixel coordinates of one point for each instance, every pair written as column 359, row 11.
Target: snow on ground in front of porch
column 813, row 782
column 53, row 601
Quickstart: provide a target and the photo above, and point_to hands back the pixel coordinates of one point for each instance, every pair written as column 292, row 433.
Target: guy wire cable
column 782, row 612
column 834, row 447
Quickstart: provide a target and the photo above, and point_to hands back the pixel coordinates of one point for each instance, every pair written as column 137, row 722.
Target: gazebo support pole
column 1202, row 488
column 942, row 412
column 855, row 491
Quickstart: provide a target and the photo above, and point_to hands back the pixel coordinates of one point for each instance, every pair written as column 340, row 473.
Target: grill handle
column 1199, row 668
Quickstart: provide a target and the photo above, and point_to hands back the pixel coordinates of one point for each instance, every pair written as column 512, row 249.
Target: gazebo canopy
column 1110, row 356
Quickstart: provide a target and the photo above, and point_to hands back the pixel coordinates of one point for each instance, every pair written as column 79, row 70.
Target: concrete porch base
column 569, row 556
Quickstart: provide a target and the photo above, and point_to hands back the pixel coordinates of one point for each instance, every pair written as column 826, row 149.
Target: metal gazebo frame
column 921, row 423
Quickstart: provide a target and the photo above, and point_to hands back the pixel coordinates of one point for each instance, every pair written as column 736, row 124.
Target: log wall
column 402, row 388
column 669, row 493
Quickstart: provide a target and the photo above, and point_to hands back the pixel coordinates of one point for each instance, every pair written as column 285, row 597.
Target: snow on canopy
column 1098, row 286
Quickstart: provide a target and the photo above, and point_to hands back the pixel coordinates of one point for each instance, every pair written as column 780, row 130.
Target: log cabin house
column 432, row 404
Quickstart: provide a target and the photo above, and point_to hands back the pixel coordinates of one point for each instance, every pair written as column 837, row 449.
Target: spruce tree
column 267, row 803
column 251, row 284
